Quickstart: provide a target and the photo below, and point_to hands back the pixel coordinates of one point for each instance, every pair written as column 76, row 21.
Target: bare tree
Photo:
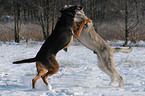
column 43, row 12
column 44, row 17
column 126, row 24
column 54, row 9
column 17, row 6
column 131, row 21
column 134, row 37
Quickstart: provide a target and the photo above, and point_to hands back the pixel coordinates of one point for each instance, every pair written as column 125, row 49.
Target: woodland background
column 35, row 19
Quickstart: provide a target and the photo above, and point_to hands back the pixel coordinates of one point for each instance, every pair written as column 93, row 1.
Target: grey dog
column 90, row 39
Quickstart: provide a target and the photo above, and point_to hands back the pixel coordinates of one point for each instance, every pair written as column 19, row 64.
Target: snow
column 120, row 42
column 78, row 75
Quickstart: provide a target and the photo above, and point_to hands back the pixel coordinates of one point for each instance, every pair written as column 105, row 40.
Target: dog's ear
column 65, row 6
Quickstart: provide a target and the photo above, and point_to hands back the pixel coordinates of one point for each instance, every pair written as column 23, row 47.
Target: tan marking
column 78, row 32
column 69, row 42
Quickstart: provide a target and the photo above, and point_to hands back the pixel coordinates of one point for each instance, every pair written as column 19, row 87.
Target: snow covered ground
column 78, row 74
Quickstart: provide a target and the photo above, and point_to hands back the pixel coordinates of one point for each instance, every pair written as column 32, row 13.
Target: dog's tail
column 25, row 61
column 115, row 50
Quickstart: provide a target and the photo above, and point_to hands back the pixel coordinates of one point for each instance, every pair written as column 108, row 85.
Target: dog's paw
column 49, row 87
column 88, row 20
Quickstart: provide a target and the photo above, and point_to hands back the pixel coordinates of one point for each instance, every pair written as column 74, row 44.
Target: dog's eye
column 79, row 8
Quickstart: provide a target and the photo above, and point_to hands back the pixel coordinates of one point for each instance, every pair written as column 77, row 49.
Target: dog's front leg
column 78, row 31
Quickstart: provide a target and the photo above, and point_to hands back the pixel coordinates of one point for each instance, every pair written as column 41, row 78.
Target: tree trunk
column 44, row 17
column 54, row 9
column 47, row 17
column 135, row 39
column 92, row 9
column 126, row 24
column 86, row 5
column 24, row 14
column 42, row 24
column 16, row 20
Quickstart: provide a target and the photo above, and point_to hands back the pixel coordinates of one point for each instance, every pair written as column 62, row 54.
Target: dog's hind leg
column 120, row 78
column 110, row 71
column 35, row 79
column 103, row 68
column 41, row 71
column 53, row 67
column 113, row 75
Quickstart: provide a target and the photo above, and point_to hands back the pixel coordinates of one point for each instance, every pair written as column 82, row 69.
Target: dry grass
column 27, row 31
column 32, row 31
column 6, row 32
column 109, row 31
column 115, row 31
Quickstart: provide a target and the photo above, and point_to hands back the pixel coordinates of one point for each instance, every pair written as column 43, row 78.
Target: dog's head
column 80, row 16
column 72, row 9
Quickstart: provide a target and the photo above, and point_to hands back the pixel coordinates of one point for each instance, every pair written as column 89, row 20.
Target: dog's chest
column 70, row 42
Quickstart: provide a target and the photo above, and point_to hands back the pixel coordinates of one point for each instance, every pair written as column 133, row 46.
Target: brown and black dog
column 61, row 37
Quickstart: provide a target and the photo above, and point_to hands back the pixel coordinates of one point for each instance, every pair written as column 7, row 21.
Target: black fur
column 59, row 38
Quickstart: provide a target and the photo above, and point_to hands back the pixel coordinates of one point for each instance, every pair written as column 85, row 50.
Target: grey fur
column 90, row 39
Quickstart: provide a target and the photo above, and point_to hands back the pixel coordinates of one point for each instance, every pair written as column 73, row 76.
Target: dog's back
column 59, row 38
